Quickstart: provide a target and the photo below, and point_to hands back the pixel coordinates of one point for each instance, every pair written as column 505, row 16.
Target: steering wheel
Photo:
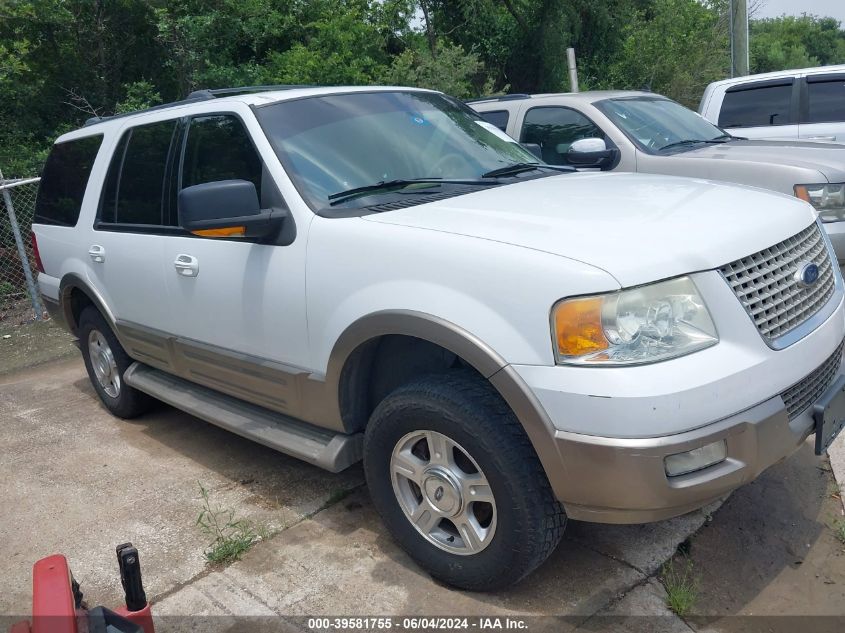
column 449, row 165
column 648, row 132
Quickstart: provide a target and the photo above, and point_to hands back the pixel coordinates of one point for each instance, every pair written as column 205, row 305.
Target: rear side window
column 763, row 106
column 135, row 190
column 499, row 118
column 554, row 129
column 64, row 179
column 219, row 148
column 826, row 100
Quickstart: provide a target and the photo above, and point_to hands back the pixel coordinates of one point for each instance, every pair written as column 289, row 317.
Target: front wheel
column 458, row 483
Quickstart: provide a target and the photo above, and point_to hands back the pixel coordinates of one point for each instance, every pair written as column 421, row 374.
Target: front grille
column 806, row 391
column 765, row 282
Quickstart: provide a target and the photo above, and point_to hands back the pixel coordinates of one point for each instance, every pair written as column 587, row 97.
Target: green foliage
column 790, row 42
column 681, row 584
column 62, row 61
column 675, row 48
column 7, row 289
column 839, row 530
column 231, row 537
column 139, row 95
column 448, row 69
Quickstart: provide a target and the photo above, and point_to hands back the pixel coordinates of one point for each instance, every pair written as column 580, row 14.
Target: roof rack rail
column 508, row 97
column 211, row 93
column 193, row 97
column 198, row 95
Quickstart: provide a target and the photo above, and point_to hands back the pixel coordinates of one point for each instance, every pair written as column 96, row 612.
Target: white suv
column 808, row 104
column 376, row 273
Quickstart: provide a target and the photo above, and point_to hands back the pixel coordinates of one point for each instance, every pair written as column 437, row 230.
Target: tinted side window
column 219, row 148
column 135, row 186
column 826, row 101
column 499, row 118
column 554, row 129
column 767, row 105
column 64, row 179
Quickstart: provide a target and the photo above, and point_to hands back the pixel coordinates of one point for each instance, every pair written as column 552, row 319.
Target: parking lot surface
column 75, row 480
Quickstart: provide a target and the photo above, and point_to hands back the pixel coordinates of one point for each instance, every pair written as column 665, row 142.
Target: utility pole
column 739, row 38
column 573, row 70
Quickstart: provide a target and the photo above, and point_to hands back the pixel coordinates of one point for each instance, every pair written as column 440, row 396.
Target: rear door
column 823, row 107
column 125, row 249
column 762, row 109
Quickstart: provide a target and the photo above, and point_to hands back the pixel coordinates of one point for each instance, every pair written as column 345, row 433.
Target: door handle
column 187, row 265
column 97, row 253
column 821, row 138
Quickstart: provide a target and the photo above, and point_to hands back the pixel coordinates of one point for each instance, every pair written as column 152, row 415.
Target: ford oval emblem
column 807, row 274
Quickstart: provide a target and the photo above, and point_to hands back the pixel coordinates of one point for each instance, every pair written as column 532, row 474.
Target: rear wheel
column 458, row 483
column 106, row 362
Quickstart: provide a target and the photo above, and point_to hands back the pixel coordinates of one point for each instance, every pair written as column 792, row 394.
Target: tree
column 676, row 48
column 795, row 42
column 446, row 68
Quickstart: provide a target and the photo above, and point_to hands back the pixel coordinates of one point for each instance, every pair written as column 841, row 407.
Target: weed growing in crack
column 231, row 537
column 681, row 584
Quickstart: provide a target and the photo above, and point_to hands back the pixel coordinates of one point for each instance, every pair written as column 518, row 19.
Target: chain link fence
column 19, row 298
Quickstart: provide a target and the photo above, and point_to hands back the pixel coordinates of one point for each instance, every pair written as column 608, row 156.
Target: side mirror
column 226, row 208
column 534, row 148
column 591, row 152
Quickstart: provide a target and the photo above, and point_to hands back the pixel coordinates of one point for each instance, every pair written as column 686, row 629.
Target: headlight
column 828, row 200
column 641, row 325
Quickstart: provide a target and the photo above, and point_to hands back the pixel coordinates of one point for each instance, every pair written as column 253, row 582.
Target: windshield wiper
column 724, row 138
column 401, row 183
column 516, row 168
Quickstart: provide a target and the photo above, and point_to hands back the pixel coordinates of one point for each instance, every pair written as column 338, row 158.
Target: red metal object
column 53, row 609
column 54, row 602
column 143, row 618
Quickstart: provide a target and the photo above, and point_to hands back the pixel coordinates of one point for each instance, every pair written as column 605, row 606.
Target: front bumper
column 624, row 481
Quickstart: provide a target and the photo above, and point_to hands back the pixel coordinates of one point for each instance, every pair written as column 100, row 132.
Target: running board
column 326, row 449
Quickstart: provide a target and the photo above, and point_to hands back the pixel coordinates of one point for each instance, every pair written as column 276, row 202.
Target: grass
column 839, row 530
column 681, row 585
column 230, row 537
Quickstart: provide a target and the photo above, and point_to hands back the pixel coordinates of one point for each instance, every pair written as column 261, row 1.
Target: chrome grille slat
column 765, row 284
column 806, row 391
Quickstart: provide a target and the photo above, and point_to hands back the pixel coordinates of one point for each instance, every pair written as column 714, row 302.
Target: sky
column 774, row 8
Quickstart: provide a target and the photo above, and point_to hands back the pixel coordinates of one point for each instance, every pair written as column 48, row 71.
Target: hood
column 639, row 228
column 826, row 158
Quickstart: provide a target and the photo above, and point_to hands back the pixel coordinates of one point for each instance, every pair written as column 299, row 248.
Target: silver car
column 645, row 132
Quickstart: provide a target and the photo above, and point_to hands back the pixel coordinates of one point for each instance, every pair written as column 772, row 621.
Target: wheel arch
column 74, row 294
column 349, row 355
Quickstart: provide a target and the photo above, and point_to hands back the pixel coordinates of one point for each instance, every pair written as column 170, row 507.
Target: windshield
column 335, row 143
column 656, row 123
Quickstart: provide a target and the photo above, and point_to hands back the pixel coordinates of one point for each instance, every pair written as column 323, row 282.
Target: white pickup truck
column 377, row 274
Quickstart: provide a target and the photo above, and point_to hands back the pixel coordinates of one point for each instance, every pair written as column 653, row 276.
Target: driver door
column 237, row 306
column 554, row 129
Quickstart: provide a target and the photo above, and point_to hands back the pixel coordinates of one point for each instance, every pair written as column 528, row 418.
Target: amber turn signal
column 801, row 192
column 229, row 231
column 578, row 328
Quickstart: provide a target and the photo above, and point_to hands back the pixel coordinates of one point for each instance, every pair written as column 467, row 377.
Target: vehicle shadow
column 274, row 481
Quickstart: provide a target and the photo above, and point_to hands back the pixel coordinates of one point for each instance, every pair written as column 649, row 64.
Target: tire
column 523, row 524
column 106, row 362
